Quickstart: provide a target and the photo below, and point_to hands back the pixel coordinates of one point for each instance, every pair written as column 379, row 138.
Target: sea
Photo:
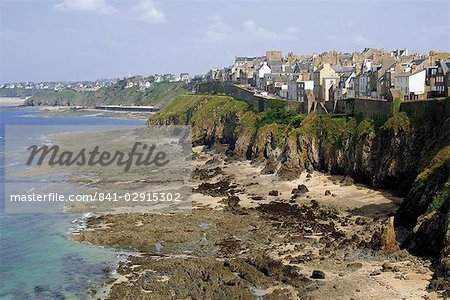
column 37, row 259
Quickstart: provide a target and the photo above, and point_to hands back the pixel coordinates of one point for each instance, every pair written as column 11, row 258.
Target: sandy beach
column 9, row 101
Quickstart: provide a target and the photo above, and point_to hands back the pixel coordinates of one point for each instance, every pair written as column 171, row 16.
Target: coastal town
column 371, row 73
column 142, row 82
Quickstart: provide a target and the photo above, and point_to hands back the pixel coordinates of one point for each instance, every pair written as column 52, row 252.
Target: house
column 259, row 75
column 361, row 84
column 321, row 86
column 399, row 52
column 158, row 78
column 442, row 78
column 377, row 80
column 274, row 57
column 274, row 83
column 297, row 89
column 412, row 85
column 185, row 77
column 329, row 86
column 345, row 87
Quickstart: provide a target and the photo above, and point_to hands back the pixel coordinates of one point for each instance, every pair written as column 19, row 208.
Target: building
column 322, row 78
column 442, row 78
column 259, row 74
column 412, row 85
column 185, row 77
column 297, row 89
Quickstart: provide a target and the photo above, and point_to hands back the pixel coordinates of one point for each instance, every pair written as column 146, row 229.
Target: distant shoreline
column 11, row 101
column 74, row 111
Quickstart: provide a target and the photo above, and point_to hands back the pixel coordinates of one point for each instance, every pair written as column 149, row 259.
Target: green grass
column 366, row 128
column 189, row 109
column 441, row 158
column 398, row 122
column 333, row 129
column 396, row 105
column 219, row 106
column 158, row 95
column 282, row 116
column 439, row 199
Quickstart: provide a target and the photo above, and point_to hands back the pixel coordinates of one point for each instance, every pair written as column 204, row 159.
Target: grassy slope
column 189, row 109
column 159, row 95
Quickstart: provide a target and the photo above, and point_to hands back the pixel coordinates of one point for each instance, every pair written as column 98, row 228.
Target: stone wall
column 371, row 108
column 437, row 109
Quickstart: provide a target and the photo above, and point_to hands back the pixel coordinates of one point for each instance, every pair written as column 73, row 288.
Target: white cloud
column 219, row 31
column 360, row 40
column 147, row 12
column 99, row 6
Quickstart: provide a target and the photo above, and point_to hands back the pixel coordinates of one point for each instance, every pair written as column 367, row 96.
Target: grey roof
column 418, row 61
column 445, row 65
column 343, row 69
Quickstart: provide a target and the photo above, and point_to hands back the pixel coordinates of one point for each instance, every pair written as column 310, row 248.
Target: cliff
column 408, row 155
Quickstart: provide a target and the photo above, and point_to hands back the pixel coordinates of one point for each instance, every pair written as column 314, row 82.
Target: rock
column 308, row 175
column 270, row 167
column 388, row 240
column 347, row 181
column 212, row 161
column 38, row 289
column 302, row 188
column 317, row 274
column 439, row 284
column 294, row 191
column 387, row 267
column 375, row 273
column 354, row 266
column 273, row 193
column 327, row 193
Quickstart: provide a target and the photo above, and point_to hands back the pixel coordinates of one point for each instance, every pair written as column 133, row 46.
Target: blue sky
column 90, row 39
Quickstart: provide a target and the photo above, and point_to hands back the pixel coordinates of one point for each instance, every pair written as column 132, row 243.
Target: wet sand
column 77, row 111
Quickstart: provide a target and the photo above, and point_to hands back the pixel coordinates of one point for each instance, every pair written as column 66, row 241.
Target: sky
column 89, row 39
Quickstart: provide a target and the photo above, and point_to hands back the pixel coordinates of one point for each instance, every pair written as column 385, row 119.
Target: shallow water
column 37, row 260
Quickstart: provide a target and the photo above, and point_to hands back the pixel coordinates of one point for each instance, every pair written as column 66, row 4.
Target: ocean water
column 37, row 260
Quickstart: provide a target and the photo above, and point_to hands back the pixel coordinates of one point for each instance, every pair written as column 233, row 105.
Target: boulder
column 388, row 240
column 347, row 181
column 273, row 193
column 317, row 274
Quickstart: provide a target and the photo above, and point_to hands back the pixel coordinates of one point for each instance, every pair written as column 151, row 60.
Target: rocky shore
column 294, row 210
column 315, row 237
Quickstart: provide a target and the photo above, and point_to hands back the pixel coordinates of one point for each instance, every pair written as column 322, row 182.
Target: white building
column 263, row 70
column 185, row 77
column 411, row 84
